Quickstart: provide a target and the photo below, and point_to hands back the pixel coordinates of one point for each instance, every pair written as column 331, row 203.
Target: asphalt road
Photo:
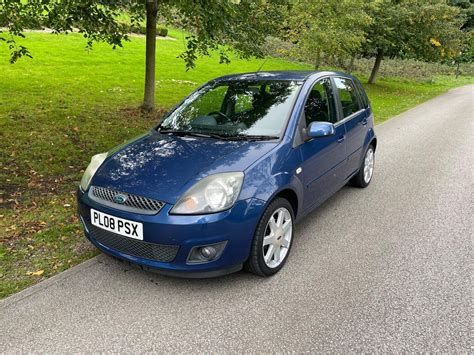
column 387, row 268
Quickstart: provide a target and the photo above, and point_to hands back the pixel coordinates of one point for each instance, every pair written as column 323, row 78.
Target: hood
column 163, row 167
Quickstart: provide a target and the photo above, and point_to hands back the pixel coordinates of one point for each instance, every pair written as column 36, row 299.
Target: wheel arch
column 289, row 195
column 373, row 142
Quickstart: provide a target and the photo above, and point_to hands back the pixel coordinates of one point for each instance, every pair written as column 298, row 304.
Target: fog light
column 206, row 253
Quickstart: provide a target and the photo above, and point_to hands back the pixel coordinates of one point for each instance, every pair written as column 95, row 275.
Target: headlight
column 214, row 193
column 96, row 161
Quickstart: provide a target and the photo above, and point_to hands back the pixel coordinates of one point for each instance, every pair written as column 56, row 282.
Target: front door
column 324, row 159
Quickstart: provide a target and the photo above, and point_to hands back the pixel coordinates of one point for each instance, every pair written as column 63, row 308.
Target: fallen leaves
column 35, row 273
column 13, row 227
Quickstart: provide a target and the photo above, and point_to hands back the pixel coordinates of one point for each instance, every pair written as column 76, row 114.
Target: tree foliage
column 466, row 52
column 332, row 27
column 433, row 30
column 421, row 29
column 217, row 25
column 414, row 28
column 467, row 12
column 96, row 20
column 213, row 25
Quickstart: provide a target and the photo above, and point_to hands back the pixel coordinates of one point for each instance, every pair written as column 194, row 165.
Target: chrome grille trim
column 133, row 203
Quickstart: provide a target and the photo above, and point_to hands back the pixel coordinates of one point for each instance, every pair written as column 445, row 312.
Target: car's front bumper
column 181, row 233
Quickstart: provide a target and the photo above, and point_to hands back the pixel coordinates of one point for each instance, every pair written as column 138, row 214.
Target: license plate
column 117, row 225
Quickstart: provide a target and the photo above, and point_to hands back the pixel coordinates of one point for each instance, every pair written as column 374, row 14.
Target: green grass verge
column 66, row 104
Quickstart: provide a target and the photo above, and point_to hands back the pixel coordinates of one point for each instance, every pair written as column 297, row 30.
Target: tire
column 363, row 178
column 279, row 238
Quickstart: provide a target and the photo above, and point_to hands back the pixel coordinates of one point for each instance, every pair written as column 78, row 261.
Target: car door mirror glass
column 320, row 129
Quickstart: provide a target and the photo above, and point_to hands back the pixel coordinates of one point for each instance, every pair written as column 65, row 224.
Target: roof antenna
column 262, row 65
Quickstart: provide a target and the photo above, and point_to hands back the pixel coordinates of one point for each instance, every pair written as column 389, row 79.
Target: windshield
column 235, row 108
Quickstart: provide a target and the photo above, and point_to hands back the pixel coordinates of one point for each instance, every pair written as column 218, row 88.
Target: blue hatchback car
column 220, row 182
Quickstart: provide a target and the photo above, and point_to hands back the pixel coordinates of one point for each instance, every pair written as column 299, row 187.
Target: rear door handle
column 364, row 121
column 341, row 139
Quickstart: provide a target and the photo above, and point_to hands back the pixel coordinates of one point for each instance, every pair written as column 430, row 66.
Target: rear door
column 354, row 116
column 323, row 167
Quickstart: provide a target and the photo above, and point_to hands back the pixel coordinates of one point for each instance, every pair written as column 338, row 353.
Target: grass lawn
column 66, row 104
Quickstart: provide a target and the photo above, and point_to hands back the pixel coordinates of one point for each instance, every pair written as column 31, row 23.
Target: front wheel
column 366, row 171
column 272, row 240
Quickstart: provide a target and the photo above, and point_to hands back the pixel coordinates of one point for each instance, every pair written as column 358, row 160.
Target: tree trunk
column 317, row 63
column 458, row 72
column 375, row 70
column 341, row 62
column 351, row 64
column 151, row 14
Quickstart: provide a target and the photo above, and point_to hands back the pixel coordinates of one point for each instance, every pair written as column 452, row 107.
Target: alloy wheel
column 369, row 161
column 277, row 239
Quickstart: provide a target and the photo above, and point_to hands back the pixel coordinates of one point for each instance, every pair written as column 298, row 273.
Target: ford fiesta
column 219, row 184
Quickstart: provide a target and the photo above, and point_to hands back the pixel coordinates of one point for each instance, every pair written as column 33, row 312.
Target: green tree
column 467, row 12
column 334, row 28
column 421, row 29
column 466, row 53
column 214, row 25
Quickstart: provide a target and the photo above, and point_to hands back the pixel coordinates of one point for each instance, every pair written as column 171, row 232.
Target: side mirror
column 320, row 129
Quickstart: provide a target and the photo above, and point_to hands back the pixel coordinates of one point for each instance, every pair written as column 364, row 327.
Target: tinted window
column 320, row 103
column 236, row 108
column 347, row 96
column 362, row 94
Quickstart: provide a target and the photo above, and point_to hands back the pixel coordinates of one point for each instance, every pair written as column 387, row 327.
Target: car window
column 320, row 103
column 244, row 100
column 348, row 96
column 236, row 107
column 208, row 103
column 362, row 94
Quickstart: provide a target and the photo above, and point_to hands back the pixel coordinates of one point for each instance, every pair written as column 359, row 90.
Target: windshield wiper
column 190, row 133
column 239, row 137
column 243, row 137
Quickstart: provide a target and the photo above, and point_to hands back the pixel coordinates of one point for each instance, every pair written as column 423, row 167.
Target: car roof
column 294, row 75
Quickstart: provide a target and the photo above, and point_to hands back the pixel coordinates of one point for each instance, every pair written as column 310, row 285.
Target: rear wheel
column 366, row 171
column 272, row 240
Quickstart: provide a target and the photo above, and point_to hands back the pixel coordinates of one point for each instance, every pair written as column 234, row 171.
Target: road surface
column 387, row 268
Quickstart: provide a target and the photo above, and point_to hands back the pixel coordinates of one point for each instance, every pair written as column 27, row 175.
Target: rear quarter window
column 362, row 93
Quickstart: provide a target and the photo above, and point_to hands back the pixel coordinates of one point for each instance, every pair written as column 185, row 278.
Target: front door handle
column 341, row 139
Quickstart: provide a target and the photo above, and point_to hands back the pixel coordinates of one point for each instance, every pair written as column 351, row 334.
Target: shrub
column 161, row 31
column 408, row 68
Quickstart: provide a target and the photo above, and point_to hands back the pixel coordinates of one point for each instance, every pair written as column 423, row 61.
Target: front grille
column 132, row 203
column 138, row 248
